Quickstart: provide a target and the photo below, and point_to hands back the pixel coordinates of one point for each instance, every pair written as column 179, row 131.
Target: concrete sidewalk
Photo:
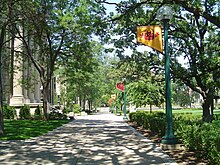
column 101, row 139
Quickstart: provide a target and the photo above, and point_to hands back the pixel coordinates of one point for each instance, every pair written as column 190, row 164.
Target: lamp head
column 164, row 13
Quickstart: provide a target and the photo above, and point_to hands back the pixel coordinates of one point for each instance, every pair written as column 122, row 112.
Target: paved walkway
column 102, row 139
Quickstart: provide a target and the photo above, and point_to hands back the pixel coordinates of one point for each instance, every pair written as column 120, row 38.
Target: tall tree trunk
column 1, row 92
column 150, row 108
column 1, row 102
column 212, row 108
column 45, row 102
column 84, row 103
column 1, row 105
column 207, row 105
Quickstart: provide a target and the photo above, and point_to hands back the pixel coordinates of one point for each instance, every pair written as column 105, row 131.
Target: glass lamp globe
column 165, row 12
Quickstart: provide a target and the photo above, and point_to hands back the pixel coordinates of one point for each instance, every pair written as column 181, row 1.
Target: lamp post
column 125, row 99
column 165, row 14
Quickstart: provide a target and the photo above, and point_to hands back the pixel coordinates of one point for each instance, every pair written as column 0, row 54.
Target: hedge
column 188, row 129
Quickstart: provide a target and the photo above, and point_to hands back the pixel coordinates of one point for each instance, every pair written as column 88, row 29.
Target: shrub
column 38, row 113
column 188, row 128
column 132, row 116
column 9, row 112
column 54, row 115
column 216, row 116
column 76, row 108
column 67, row 110
column 25, row 112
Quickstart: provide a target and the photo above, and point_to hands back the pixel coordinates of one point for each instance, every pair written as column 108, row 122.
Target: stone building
column 20, row 80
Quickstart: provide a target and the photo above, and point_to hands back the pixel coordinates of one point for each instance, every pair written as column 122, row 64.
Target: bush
column 57, row 116
column 76, row 108
column 188, row 128
column 25, row 112
column 154, row 121
column 38, row 113
column 9, row 112
column 216, row 116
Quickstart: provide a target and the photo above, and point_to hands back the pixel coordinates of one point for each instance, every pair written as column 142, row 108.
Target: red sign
column 120, row 86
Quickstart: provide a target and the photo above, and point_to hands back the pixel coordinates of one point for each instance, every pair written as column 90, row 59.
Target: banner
column 150, row 36
column 120, row 86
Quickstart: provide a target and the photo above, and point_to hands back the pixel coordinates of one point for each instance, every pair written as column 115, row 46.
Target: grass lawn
column 194, row 111
column 25, row 129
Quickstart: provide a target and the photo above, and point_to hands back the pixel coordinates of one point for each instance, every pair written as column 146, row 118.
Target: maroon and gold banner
column 150, row 36
column 120, row 86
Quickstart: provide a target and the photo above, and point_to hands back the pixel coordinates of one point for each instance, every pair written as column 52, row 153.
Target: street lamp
column 125, row 100
column 165, row 14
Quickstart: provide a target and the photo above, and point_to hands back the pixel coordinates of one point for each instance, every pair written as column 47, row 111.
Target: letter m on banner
column 150, row 36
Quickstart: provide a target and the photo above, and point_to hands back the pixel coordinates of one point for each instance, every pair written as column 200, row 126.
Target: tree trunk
column 150, row 108
column 1, row 92
column 212, row 108
column 207, row 106
column 45, row 102
column 1, row 105
column 89, row 105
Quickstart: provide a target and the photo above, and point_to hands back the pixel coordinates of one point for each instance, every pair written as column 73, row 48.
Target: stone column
column 32, row 84
column 37, row 92
column 17, row 97
column 25, row 89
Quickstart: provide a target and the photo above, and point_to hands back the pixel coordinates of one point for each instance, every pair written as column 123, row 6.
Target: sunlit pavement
column 101, row 139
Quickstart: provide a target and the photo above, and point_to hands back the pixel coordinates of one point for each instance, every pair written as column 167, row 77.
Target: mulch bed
column 182, row 157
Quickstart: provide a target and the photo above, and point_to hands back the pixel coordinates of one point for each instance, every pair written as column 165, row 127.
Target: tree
column 51, row 30
column 182, row 95
column 4, row 23
column 2, row 34
column 201, row 18
column 83, row 75
column 144, row 92
column 202, row 58
column 43, row 38
column 210, row 14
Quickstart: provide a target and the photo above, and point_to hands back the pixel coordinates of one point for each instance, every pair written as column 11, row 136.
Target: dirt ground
column 182, row 157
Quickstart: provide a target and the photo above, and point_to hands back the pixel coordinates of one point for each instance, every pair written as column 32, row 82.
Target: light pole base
column 125, row 118
column 169, row 140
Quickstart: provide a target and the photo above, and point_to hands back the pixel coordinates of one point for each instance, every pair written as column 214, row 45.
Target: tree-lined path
column 101, row 139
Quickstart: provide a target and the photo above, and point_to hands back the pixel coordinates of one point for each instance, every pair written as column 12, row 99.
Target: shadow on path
column 103, row 139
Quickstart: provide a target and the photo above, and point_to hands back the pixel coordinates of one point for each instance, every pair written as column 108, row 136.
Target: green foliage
column 154, row 121
column 9, row 112
column 201, row 137
column 57, row 116
column 38, row 113
column 216, row 116
column 25, row 129
column 24, row 112
column 188, row 128
column 196, row 65
column 145, row 92
column 76, row 108
column 67, row 110
column 183, row 95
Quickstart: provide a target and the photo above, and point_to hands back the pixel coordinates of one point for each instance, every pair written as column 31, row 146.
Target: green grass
column 25, row 129
column 194, row 111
